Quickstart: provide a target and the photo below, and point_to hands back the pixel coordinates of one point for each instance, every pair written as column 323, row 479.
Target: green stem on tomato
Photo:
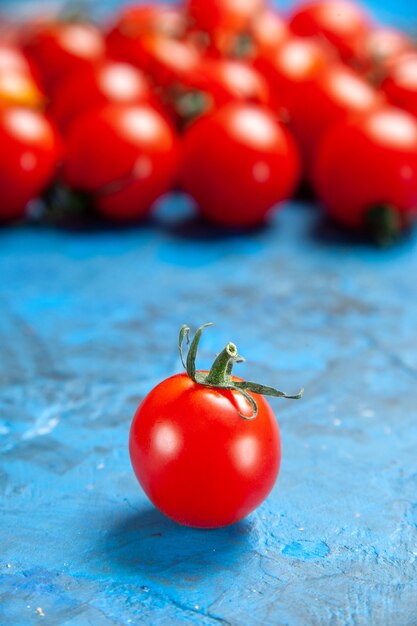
column 220, row 374
column 384, row 224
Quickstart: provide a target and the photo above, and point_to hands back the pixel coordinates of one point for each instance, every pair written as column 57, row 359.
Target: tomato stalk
column 220, row 374
column 385, row 224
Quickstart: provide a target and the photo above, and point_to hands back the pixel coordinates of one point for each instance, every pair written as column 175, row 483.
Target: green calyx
column 385, row 225
column 220, row 374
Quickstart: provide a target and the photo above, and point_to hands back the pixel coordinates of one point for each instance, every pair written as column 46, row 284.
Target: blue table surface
column 88, row 325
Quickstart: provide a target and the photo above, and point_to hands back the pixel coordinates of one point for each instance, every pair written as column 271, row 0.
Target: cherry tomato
column 18, row 85
column 123, row 38
column 107, row 82
column 400, row 85
column 211, row 16
column 17, row 88
column 343, row 23
column 289, row 67
column 168, row 61
column 57, row 49
column 268, row 31
column 203, row 454
column 366, row 170
column 383, row 46
column 337, row 93
column 215, row 83
column 125, row 156
column 239, row 162
column 30, row 148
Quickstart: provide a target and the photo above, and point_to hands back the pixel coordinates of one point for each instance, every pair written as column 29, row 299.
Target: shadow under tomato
column 146, row 541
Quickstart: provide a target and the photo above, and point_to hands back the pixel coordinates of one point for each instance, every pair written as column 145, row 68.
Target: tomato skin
column 125, row 156
column 197, row 460
column 30, row 148
column 100, row 85
column 335, row 94
column 57, row 49
column 343, row 23
column 368, row 161
column 287, row 69
column 212, row 16
column 400, row 84
column 383, row 47
column 238, row 163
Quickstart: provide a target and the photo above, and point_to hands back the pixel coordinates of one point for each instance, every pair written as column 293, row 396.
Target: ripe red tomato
column 216, row 82
column 289, row 67
column 167, row 60
column 201, row 454
column 239, row 162
column 366, row 171
column 211, row 16
column 337, row 93
column 135, row 22
column 18, row 85
column 57, row 49
column 30, row 148
column 107, row 82
column 383, row 46
column 343, row 23
column 400, row 85
column 124, row 156
column 268, row 31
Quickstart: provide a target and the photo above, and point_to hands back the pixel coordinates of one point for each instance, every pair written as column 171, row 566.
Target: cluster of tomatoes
column 225, row 100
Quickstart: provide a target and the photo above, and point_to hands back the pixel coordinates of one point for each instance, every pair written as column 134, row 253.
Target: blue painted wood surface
column 88, row 325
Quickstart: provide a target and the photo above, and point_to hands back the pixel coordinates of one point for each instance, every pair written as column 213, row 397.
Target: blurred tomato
column 366, row 171
column 295, row 63
column 107, row 82
column 134, row 22
column 211, row 16
column 344, row 24
column 268, row 31
column 336, row 93
column 30, row 148
column 400, row 85
column 18, row 85
column 383, row 46
column 238, row 163
column 125, row 156
column 168, row 61
column 21, row 90
column 216, row 83
column 58, row 49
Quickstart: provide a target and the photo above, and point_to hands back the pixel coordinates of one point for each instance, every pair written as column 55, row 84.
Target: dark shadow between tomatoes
column 148, row 541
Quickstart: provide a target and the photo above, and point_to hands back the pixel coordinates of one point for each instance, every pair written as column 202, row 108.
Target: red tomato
column 383, row 47
column 216, row 83
column 368, row 165
column 57, row 49
column 18, row 85
column 212, row 16
column 288, row 68
column 228, row 79
column 20, row 89
column 343, row 23
column 268, row 31
column 12, row 60
column 238, row 163
column 125, row 156
column 400, row 86
column 135, row 22
column 108, row 82
column 204, row 455
column 29, row 151
column 168, row 61
column 335, row 94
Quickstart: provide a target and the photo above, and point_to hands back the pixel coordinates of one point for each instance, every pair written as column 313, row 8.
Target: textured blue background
column 89, row 323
